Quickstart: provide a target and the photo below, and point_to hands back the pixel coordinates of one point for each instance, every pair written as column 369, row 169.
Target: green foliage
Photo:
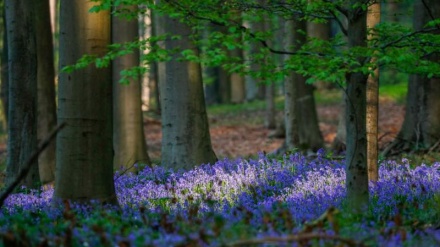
column 218, row 29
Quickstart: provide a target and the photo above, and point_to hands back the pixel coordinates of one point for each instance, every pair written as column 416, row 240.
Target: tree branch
column 32, row 160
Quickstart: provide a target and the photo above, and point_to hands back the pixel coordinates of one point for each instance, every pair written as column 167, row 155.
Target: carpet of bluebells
column 267, row 200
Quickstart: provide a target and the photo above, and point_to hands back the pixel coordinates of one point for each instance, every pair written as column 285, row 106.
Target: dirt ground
column 232, row 140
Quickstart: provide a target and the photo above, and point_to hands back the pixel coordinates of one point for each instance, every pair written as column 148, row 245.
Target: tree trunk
column 300, row 101
column 84, row 147
column 320, row 31
column 339, row 143
column 4, row 72
column 22, row 120
column 46, row 89
column 421, row 126
column 128, row 130
column 270, row 122
column 373, row 18
column 356, row 155
column 186, row 141
column 291, row 123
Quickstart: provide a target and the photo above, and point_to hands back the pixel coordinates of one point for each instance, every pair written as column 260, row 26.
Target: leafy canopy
column 220, row 26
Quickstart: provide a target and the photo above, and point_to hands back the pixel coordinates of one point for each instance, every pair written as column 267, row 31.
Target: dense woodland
column 82, row 81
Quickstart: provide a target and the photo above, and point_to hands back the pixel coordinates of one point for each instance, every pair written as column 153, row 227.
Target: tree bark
column 421, row 126
column 22, row 120
column 128, row 130
column 186, row 141
column 356, row 155
column 300, row 104
column 46, row 89
column 373, row 18
column 84, row 148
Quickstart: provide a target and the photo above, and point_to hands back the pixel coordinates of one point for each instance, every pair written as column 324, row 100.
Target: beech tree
column 185, row 130
column 421, row 126
column 84, row 147
column 46, row 108
column 314, row 59
column 22, row 112
column 128, row 133
column 373, row 18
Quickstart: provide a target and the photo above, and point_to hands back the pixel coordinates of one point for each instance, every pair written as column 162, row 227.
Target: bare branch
column 32, row 160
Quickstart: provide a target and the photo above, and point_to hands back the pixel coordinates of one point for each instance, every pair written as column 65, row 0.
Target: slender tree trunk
column 22, row 121
column 320, row 31
column 238, row 90
column 339, row 143
column 356, row 155
column 128, row 131
column 186, row 141
column 46, row 89
column 270, row 106
column 421, row 126
column 291, row 123
column 84, row 147
column 373, row 18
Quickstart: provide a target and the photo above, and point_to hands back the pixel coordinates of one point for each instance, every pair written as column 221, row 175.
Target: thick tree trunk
column 186, row 141
column 421, row 126
column 22, row 120
column 46, row 89
column 300, row 101
column 84, row 147
column 373, row 18
column 128, row 131
column 356, row 155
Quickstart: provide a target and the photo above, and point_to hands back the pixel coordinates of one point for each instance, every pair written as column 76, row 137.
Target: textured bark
column 356, row 155
column 22, row 120
column 421, row 126
column 46, row 109
column 300, row 104
column 84, row 148
column 186, row 141
column 128, row 130
column 373, row 18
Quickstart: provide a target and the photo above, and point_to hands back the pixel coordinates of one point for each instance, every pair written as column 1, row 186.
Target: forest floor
column 239, row 131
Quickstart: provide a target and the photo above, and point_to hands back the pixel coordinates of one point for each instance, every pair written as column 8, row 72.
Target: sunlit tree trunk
column 373, row 18
column 186, row 141
column 46, row 88
column 22, row 121
column 128, row 130
column 84, row 147
column 356, row 103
